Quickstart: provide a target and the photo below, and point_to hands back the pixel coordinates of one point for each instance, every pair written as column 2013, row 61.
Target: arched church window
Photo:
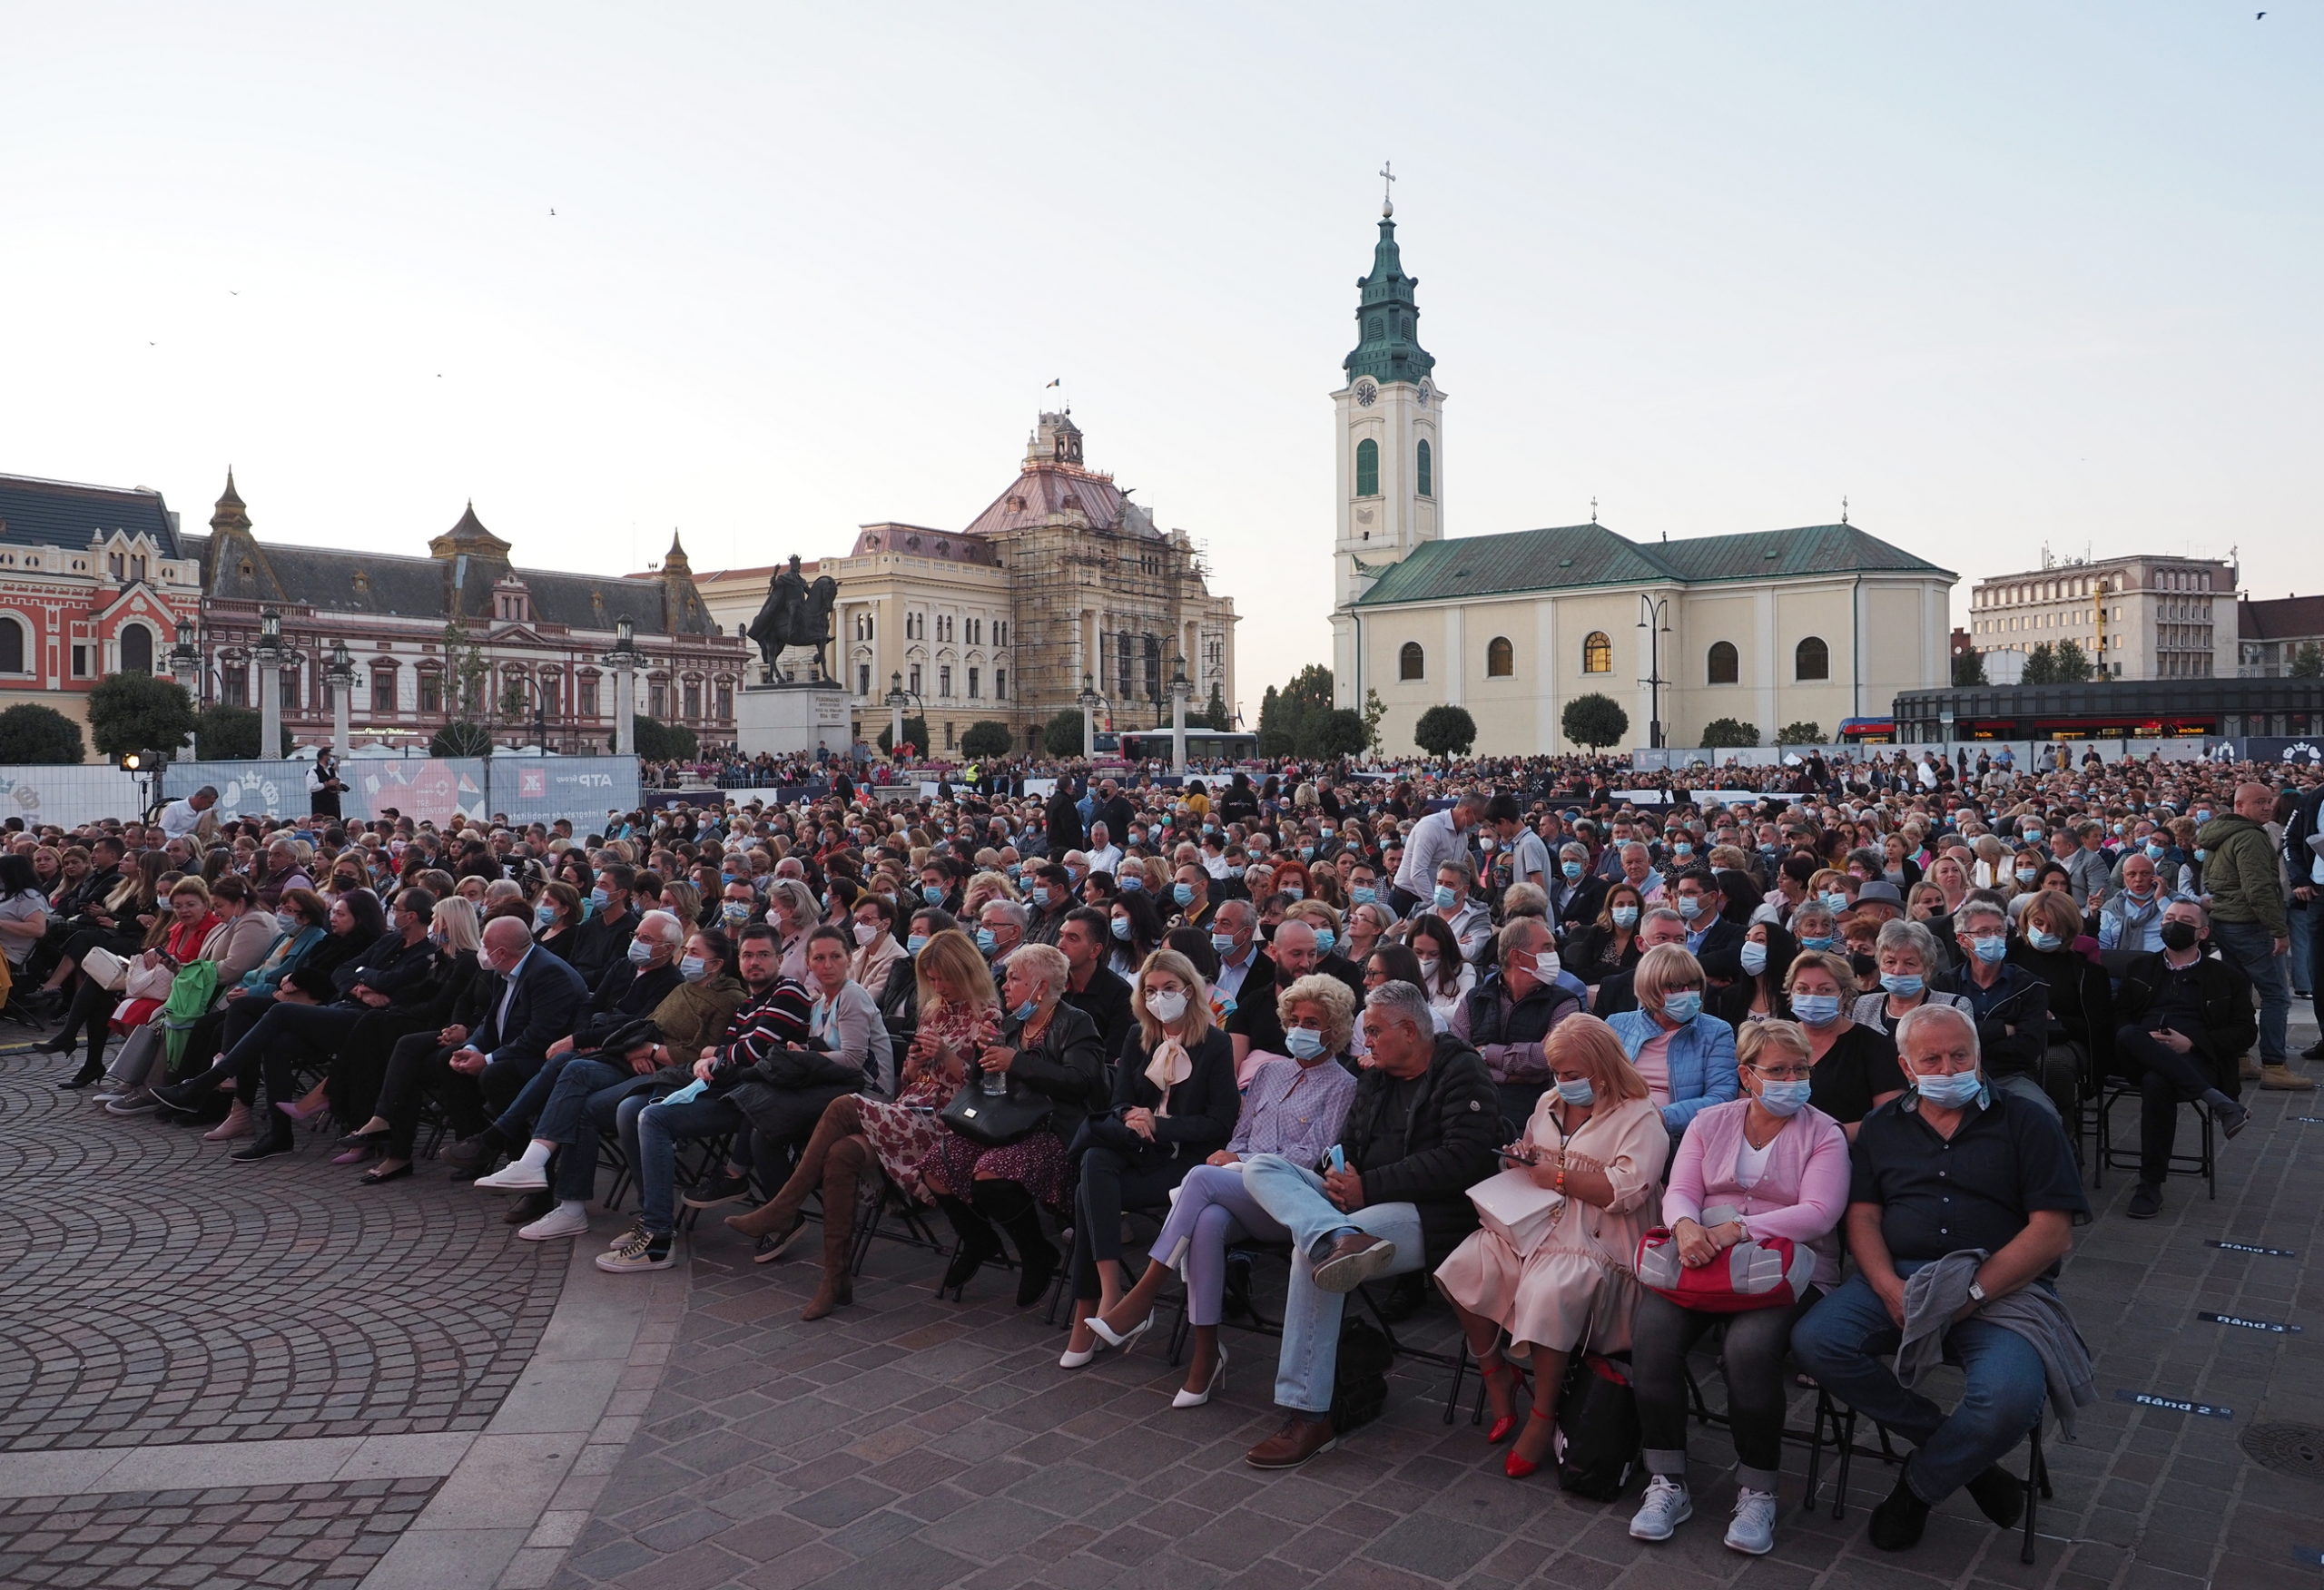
column 1367, row 467
column 1812, row 658
column 1724, row 667
column 12, row 646
column 1411, row 662
column 1501, row 657
column 1597, row 653
column 1424, row 469
column 136, row 649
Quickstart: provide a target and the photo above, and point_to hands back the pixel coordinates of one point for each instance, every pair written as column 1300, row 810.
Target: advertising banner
column 70, row 794
column 442, row 791
column 579, row 789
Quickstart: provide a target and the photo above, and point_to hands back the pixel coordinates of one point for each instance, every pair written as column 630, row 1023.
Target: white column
column 625, row 710
column 341, row 689
column 1179, row 732
column 895, row 727
column 1769, row 716
column 270, row 706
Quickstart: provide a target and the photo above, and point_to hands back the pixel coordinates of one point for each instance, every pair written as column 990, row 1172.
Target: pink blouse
column 1801, row 1194
column 1653, row 1064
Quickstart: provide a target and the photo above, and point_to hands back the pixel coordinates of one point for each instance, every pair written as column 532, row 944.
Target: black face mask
column 2179, row 936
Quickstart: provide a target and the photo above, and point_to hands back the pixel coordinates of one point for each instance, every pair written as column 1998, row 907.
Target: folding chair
column 2204, row 1163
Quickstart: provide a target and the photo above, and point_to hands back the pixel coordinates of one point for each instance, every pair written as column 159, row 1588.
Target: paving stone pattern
column 157, row 1293
column 907, row 1443
column 318, row 1536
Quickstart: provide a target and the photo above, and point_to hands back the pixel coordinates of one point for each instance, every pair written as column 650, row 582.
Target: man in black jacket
column 2304, row 864
column 2186, row 1018
column 604, row 939
column 1509, row 1015
column 1420, row 1134
column 1092, row 986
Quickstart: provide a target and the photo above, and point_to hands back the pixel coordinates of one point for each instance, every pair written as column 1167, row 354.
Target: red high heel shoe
column 1519, row 1467
column 1507, row 1423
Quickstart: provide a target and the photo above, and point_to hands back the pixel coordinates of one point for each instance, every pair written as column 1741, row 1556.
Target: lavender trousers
column 1213, row 1213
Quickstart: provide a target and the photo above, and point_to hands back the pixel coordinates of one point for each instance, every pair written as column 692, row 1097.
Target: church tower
column 1391, row 458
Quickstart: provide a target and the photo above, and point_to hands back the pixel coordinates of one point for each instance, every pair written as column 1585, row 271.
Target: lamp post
column 895, row 701
column 1088, row 700
column 270, row 655
column 624, row 660
column 1179, row 690
column 339, row 673
column 185, row 667
column 1656, row 623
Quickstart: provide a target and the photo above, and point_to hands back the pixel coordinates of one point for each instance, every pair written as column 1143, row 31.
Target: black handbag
column 1598, row 1418
column 995, row 1120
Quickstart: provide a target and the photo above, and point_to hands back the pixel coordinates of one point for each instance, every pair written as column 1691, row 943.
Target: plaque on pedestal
column 788, row 718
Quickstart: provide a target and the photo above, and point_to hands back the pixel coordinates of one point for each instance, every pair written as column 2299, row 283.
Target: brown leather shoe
column 2282, row 1078
column 1354, row 1259
column 1292, row 1445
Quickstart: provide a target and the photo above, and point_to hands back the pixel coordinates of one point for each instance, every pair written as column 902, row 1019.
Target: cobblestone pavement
column 319, row 1536
column 157, row 1293
column 907, row 1443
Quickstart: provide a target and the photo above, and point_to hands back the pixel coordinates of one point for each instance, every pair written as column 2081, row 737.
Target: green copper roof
column 1387, row 320
column 1576, row 555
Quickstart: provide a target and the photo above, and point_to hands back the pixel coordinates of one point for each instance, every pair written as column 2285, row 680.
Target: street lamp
column 1656, row 623
column 624, row 660
column 185, row 667
column 1088, row 700
column 1179, row 690
column 339, row 673
column 895, row 701
column 271, row 655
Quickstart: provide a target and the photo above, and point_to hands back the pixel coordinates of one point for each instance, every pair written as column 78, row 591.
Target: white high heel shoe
column 1070, row 1360
column 1185, row 1399
column 1127, row 1339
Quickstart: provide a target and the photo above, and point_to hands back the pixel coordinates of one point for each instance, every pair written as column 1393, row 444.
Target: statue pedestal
column 787, row 718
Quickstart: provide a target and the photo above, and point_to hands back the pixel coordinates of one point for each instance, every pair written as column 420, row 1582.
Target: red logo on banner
column 532, row 783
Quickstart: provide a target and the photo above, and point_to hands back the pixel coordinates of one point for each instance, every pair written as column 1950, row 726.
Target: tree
column 2073, row 665
column 30, row 732
column 986, row 737
column 916, row 734
column 1283, row 713
column 2307, row 663
column 1969, row 669
column 1725, row 734
column 1214, row 714
column 468, row 670
column 1443, row 732
column 1800, row 733
column 232, row 734
column 1332, row 731
column 2040, row 666
column 1374, row 709
column 1593, row 721
column 1060, row 736
column 660, row 742
column 462, row 738
column 139, row 712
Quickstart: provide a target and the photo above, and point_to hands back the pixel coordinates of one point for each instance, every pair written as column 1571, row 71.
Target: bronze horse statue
column 796, row 614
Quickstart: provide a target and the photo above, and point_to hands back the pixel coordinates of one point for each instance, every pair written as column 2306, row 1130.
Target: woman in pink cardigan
column 1767, row 1164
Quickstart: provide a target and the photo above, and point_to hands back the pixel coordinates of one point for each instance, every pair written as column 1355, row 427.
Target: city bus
column 1203, row 745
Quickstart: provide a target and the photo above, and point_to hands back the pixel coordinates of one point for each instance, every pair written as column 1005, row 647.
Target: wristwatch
column 1976, row 1294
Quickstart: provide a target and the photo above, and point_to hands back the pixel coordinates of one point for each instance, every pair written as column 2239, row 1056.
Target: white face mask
column 1166, row 1007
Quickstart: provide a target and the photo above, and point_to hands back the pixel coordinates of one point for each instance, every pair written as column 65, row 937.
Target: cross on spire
column 1844, row 510
column 1593, row 510
column 1388, row 188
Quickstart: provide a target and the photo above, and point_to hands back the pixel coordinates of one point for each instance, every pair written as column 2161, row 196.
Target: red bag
column 1761, row 1272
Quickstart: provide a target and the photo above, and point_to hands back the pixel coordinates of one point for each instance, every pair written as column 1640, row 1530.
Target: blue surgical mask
column 1903, row 985
column 1041, row 895
column 1576, row 1090
column 987, row 940
column 1572, row 870
column 1816, row 1010
column 1325, row 939
column 1305, row 1043
column 545, row 915
column 599, row 899
column 1683, row 848
column 640, row 952
column 1836, row 901
column 2202, row 854
column 2154, row 852
column 932, row 893
column 1754, row 956
column 1990, row 948
column 1025, row 1010
column 1955, row 1090
column 1820, row 942
column 1132, row 883
column 1684, row 1007
column 2025, row 876
column 289, row 923
column 1625, row 916
column 1183, row 893
column 1445, row 898
column 916, row 942
column 1364, row 894
column 1121, row 929
column 2202, row 814
column 1294, row 891
column 1783, row 1098
column 2041, row 940
column 1691, row 907
column 1306, row 852
column 1222, row 943
column 692, row 968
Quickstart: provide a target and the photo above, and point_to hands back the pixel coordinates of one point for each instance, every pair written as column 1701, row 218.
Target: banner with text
column 443, row 791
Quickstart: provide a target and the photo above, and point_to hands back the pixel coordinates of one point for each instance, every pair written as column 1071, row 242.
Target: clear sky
column 2003, row 275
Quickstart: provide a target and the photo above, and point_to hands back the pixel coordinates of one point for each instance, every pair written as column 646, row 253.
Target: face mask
column 1992, row 947
column 1577, row 1091
column 916, row 942
column 1546, row 965
column 640, row 952
column 1820, row 943
column 1024, row 1012
column 1223, row 944
column 2025, row 876
column 545, row 915
column 1295, row 891
column 1486, row 844
column 1041, row 897
column 2179, row 936
column 693, row 969
column 1955, row 1090
column 1783, row 1098
column 1754, row 956
column 1166, row 1008
column 1304, row 1044
column 288, row 923
column 1132, row 883
column 932, row 893
column 1903, row 985
column 2202, row 855
column 1428, row 964
column 1682, row 849
column 1836, row 901
column 599, row 899
column 2037, row 938
column 1683, row 1007
column 1121, row 929
column 1306, row 852
column 1445, row 898
column 1136, row 836
column 867, row 933
column 1182, row 893
column 987, row 941
column 1625, row 916
column 735, row 912
column 2202, row 814
column 1572, row 870
column 1816, row 1010
column 1363, row 896
column 2154, row 852
column 1691, row 907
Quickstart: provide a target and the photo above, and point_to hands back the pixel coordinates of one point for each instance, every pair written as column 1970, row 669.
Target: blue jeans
column 2303, row 942
column 1846, row 1341
column 659, row 1126
column 2247, row 944
column 1293, row 1197
column 515, row 1122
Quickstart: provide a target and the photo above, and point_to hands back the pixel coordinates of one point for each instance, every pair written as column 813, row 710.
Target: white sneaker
column 566, row 1220
column 1664, row 1509
column 514, row 1177
column 1754, row 1526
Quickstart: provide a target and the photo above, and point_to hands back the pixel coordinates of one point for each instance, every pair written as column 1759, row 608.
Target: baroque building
column 1061, row 577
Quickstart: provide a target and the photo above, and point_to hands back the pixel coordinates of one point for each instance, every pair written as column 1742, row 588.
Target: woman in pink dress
column 959, row 1013
column 1596, row 1140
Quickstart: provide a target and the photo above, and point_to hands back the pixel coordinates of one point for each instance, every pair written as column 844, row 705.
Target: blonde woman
column 1596, row 1140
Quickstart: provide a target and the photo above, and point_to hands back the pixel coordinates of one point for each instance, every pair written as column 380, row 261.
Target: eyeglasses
column 1785, row 1073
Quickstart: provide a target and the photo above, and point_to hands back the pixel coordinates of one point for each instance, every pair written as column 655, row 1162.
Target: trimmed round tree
column 1594, row 721
column 1336, row 731
column 1061, row 736
column 139, row 712
column 32, row 734
column 1728, row 734
column 986, row 737
column 1445, row 731
column 1800, row 733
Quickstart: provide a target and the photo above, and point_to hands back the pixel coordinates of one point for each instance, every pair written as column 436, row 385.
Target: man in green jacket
column 2245, row 882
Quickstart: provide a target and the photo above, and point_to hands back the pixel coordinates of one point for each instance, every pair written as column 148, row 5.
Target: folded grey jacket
column 1940, row 1289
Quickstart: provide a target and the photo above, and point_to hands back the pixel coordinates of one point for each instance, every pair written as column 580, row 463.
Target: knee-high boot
column 837, row 1124
column 842, row 1167
column 1013, row 1210
column 979, row 1242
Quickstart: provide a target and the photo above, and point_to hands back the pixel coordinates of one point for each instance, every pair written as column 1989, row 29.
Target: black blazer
column 1203, row 1108
column 1068, row 1067
column 549, row 993
column 1722, row 950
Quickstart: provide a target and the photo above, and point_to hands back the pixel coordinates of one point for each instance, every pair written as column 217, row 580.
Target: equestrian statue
column 796, row 615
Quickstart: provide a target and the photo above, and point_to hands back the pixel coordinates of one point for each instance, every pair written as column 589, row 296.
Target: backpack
column 1599, row 1439
column 1360, row 1378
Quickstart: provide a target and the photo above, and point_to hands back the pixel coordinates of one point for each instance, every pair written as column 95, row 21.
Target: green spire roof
column 1387, row 320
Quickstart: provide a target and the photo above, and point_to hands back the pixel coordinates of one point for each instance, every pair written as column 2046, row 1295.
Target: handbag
column 145, row 982
column 1600, row 1442
column 104, row 968
column 1513, row 1207
column 995, row 1120
column 1758, row 1272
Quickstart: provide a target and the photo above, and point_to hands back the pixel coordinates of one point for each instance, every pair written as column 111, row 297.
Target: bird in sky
column 553, row 208
column 233, row 292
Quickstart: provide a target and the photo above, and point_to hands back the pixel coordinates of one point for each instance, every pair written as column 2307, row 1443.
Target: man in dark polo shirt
column 1954, row 1164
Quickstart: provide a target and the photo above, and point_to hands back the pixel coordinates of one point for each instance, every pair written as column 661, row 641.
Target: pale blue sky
column 2000, row 274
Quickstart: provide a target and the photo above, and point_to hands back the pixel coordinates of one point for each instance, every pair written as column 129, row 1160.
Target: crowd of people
column 1811, row 1069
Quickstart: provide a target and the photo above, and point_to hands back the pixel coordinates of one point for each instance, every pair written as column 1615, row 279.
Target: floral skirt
column 1036, row 1163
column 903, row 1139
